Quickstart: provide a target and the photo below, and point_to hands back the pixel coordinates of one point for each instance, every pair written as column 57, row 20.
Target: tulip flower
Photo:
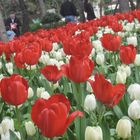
column 30, row 128
column 14, row 89
column 52, row 115
column 123, row 128
column 127, row 54
column 105, row 92
column 111, row 42
column 134, row 110
column 51, row 73
column 78, row 69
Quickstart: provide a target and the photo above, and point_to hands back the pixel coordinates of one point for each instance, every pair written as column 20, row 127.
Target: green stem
column 80, row 123
column 18, row 117
column 137, row 75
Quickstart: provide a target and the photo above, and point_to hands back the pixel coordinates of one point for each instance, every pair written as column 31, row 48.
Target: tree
column 25, row 16
column 2, row 29
column 138, row 4
column 123, row 5
column 42, row 7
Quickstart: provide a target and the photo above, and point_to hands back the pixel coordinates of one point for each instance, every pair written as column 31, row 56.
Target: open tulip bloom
column 76, row 82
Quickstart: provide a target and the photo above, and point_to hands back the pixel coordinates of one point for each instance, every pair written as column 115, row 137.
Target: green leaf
column 13, row 136
column 118, row 112
column 71, row 134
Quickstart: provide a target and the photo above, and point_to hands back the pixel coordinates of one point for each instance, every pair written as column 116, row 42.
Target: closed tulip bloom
column 137, row 60
column 51, row 73
column 79, row 69
column 30, row 93
column 123, row 128
column 93, row 133
column 127, row 54
column 100, row 58
column 30, row 128
column 14, row 89
column 121, row 77
column 111, row 42
column 134, row 91
column 52, row 115
column 105, row 92
column 134, row 110
column 90, row 103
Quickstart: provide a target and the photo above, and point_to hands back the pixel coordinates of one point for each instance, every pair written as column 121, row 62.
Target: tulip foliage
column 76, row 82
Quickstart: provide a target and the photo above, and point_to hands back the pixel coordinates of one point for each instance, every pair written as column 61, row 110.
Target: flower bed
column 77, row 82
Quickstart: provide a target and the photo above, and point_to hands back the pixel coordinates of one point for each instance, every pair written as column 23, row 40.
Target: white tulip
column 93, row 133
column 108, row 30
column 90, row 103
column 134, row 110
column 6, row 136
column 129, row 27
column 121, row 77
column 134, row 91
column 44, row 59
column 97, row 45
column 6, row 124
column 137, row 60
column 39, row 91
column 30, row 93
column 89, row 87
column 9, row 67
column 125, row 68
column 58, row 55
column 30, row 128
column 99, row 34
column 55, row 46
column 53, row 61
column 100, row 58
column 123, row 128
column 45, row 95
column 132, row 40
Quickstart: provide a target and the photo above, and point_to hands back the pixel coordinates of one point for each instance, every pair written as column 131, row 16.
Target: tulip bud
column 30, row 92
column 132, row 40
column 45, row 95
column 125, row 68
column 89, row 87
column 90, row 103
column 121, row 77
column 134, row 91
column 137, row 60
column 93, row 133
column 9, row 67
column 123, row 128
column 100, row 58
column 55, row 46
column 30, row 128
column 134, row 110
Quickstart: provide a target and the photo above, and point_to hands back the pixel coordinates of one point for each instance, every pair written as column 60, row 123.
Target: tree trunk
column 81, row 10
column 3, row 35
column 138, row 4
column 25, row 16
column 42, row 7
column 124, row 6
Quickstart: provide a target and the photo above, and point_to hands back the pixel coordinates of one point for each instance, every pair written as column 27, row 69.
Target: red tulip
column 14, row 89
column 51, row 73
column 52, row 115
column 105, row 92
column 127, row 54
column 79, row 69
column 111, row 42
column 31, row 54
